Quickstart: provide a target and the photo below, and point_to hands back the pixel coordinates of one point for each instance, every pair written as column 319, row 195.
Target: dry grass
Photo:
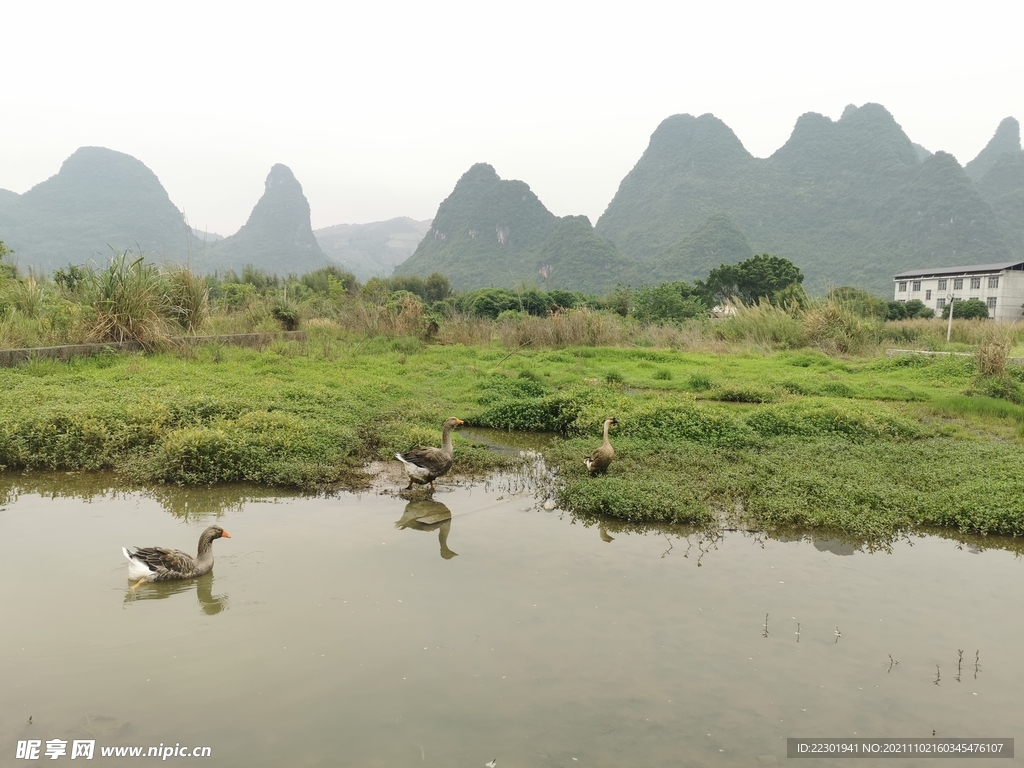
column 992, row 355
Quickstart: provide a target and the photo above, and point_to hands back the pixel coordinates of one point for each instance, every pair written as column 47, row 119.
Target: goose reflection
column 429, row 515
column 160, row 590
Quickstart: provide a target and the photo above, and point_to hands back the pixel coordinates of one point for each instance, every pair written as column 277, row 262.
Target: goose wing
column 600, row 458
column 158, row 559
column 434, row 460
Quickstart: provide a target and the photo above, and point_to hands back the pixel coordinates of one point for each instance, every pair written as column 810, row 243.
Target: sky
column 379, row 107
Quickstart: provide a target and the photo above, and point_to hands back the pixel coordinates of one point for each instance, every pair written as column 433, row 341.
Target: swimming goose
column 599, row 460
column 159, row 564
column 425, row 465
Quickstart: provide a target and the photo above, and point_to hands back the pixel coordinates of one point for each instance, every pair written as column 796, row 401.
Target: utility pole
column 949, row 328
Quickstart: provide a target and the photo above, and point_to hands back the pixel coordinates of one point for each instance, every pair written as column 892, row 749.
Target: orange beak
column 225, row 535
column 459, row 421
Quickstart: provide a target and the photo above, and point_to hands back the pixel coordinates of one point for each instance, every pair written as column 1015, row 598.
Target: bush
column 834, row 329
column 668, row 302
column 991, row 357
column 655, row 501
column 971, row 309
column 915, row 309
column 286, row 312
column 828, row 419
column 130, row 299
column 764, row 325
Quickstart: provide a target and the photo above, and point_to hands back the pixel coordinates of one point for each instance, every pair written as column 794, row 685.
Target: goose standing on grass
column 159, row 564
column 599, row 460
column 425, row 465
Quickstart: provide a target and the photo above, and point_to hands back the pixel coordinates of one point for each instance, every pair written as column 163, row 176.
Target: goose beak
column 225, row 535
column 459, row 421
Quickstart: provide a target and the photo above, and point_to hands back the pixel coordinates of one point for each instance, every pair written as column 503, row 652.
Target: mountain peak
column 98, row 200
column 1006, row 140
column 865, row 140
column 702, row 143
column 278, row 236
column 280, row 175
column 487, row 229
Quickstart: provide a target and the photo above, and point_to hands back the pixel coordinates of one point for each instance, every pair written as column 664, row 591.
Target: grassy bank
column 868, row 446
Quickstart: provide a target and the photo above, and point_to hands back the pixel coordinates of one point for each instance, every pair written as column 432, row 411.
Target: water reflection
column 429, row 515
column 187, row 503
column 210, row 603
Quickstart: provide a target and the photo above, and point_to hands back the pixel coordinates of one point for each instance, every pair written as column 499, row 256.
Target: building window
column 927, row 295
column 903, row 286
column 958, row 283
column 940, row 303
column 903, row 301
column 993, row 282
column 975, row 282
column 992, row 303
column 942, row 284
column 916, row 286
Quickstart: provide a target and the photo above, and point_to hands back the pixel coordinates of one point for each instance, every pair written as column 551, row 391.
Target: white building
column 1001, row 286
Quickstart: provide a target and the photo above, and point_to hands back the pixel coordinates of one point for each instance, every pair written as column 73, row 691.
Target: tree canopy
column 970, row 309
column 759, row 277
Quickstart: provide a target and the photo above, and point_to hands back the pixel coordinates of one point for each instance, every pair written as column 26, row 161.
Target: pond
column 370, row 630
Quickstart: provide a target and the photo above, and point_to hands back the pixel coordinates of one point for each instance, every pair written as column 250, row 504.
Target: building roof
column 970, row 269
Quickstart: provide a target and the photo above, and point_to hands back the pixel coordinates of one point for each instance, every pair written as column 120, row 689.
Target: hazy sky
column 379, row 107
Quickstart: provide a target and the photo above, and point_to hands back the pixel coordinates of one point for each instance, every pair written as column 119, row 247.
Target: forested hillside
column 277, row 238
column 849, row 201
column 100, row 199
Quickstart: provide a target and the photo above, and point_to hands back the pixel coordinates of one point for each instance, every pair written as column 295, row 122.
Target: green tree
column 915, row 308
column 895, row 310
column 759, row 277
column 970, row 309
column 675, row 301
column 437, row 287
column 328, row 279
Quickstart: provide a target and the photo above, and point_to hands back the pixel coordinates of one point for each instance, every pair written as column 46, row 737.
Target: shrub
column 829, row 419
column 130, row 299
column 764, row 325
column 654, row 501
column 915, row 308
column 833, row 329
column 286, row 312
column 991, row 357
column 971, row 309
column 189, row 298
column 699, row 382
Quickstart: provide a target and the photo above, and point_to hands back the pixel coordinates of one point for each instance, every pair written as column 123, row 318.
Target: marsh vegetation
column 774, row 415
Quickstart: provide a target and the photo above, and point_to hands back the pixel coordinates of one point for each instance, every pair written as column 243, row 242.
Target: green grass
column 869, row 447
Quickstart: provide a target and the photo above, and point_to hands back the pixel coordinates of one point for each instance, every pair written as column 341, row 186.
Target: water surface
column 373, row 631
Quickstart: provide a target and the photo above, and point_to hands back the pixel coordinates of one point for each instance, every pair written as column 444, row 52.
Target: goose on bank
column 159, row 564
column 425, row 465
column 601, row 458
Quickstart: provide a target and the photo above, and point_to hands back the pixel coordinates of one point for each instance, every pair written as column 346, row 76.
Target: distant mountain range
column 372, row 250
column 98, row 198
column 490, row 231
column 102, row 200
column 850, row 201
